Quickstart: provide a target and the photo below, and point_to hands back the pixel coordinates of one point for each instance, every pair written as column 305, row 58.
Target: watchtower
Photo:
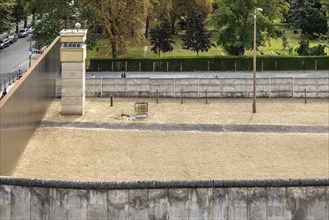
column 72, row 57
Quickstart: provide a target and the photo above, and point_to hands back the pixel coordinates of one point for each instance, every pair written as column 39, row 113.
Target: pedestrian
column 92, row 75
column 124, row 75
column 3, row 93
column 121, row 75
column 19, row 73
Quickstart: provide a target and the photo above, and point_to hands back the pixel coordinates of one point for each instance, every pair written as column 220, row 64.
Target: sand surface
column 73, row 153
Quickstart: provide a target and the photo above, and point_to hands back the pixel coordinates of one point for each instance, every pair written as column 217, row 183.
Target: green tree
column 6, row 7
column 53, row 15
column 314, row 24
column 305, row 50
column 161, row 38
column 196, row 38
column 234, row 20
column 122, row 22
column 18, row 12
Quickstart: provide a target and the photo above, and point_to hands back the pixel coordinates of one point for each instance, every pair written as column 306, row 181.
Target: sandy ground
column 109, row 155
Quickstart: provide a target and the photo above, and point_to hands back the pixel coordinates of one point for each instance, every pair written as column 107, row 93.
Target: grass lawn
column 138, row 51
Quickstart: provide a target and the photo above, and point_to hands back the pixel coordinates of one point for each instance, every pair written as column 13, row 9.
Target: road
column 14, row 57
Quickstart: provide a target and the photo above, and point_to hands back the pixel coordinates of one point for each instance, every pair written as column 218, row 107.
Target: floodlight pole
column 254, row 61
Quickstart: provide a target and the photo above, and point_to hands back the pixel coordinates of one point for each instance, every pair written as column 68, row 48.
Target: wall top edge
column 161, row 184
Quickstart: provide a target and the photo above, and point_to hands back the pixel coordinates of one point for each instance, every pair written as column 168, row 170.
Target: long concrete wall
column 23, row 108
column 200, row 87
column 237, row 200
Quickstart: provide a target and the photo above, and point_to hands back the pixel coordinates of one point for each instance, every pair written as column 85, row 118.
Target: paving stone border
column 251, row 128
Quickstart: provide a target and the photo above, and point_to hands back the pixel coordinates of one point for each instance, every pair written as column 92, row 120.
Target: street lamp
column 254, row 59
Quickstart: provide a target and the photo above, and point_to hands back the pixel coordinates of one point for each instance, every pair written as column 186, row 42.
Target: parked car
column 13, row 38
column 4, row 43
column 22, row 33
column 29, row 30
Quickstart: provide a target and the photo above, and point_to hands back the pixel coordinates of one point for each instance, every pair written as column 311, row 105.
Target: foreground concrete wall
column 214, row 87
column 165, row 202
column 23, row 108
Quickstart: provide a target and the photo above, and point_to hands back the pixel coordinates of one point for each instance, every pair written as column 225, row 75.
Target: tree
column 52, row 14
column 314, row 24
column 196, row 38
column 309, row 15
column 284, row 39
column 159, row 9
column 161, row 38
column 305, row 50
column 18, row 12
column 6, row 7
column 180, row 8
column 234, row 20
column 122, row 20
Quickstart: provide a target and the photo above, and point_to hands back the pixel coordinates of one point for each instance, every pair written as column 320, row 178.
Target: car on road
column 4, row 43
column 22, row 33
column 13, row 38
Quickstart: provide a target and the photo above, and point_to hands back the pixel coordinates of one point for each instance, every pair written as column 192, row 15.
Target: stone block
column 97, row 206
column 76, row 82
column 199, row 204
column 276, row 203
column 74, row 91
column 5, row 201
column 73, row 66
column 73, row 74
column 118, row 204
column 237, row 203
column 158, row 204
column 72, row 101
column 257, row 203
column 20, row 202
column 58, row 203
column 77, row 204
column 316, row 202
column 138, row 204
column 178, row 203
column 220, row 204
column 40, row 203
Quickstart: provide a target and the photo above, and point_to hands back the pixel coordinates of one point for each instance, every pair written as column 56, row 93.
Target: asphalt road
column 14, row 57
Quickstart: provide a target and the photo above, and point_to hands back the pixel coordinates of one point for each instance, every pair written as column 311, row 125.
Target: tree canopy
column 122, row 20
column 6, row 9
column 234, row 20
column 196, row 38
column 161, row 38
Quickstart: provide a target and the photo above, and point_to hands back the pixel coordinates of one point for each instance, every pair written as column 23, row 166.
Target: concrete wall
column 23, row 108
column 166, row 202
column 216, row 87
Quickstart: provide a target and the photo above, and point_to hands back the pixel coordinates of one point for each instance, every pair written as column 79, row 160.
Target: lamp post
column 254, row 62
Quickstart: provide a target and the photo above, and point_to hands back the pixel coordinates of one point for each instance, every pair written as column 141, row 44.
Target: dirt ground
column 73, row 153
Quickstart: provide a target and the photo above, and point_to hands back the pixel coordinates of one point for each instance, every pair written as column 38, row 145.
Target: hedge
column 211, row 64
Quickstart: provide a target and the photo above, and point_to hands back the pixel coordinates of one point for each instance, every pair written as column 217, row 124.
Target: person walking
column 19, row 73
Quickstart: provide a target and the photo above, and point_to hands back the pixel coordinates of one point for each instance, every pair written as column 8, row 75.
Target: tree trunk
column 25, row 21
column 114, row 49
column 147, row 26
column 16, row 27
column 159, row 53
column 197, row 53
